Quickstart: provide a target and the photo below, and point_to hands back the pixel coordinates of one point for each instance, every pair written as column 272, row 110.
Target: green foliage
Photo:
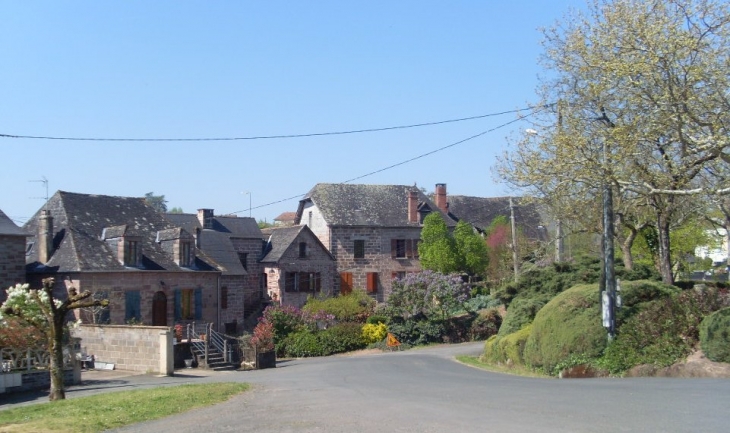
column 176, row 210
column 426, row 294
column 715, row 335
column 340, row 338
column 156, row 201
column 485, row 324
column 568, row 325
column 507, row 349
column 372, row 333
column 471, row 249
column 16, row 334
column 377, row 318
column 416, row 330
column 301, row 344
column 356, row 306
column 437, row 251
column 521, row 313
column 284, row 320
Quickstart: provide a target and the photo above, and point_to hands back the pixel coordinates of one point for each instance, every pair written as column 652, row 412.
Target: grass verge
column 113, row 410
column 517, row 370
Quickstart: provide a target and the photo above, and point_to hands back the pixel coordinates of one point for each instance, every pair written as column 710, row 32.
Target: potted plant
column 178, row 332
column 263, row 342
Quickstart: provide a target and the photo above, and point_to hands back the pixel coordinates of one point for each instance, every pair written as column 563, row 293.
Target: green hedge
column 715, row 336
column 568, row 325
column 508, row 349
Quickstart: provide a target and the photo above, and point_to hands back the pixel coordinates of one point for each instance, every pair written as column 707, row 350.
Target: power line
column 535, row 111
column 269, row 137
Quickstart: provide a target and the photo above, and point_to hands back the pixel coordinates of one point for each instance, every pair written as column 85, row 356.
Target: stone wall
column 147, row 349
column 12, row 262
column 35, row 380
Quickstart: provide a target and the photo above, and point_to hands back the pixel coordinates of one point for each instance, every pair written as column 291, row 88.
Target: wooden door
column 345, row 283
column 159, row 309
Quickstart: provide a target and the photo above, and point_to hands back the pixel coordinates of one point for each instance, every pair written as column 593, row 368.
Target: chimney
column 45, row 236
column 441, row 202
column 205, row 217
column 412, row 206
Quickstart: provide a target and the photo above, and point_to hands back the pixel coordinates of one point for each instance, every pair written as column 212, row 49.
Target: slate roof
column 216, row 242
column 286, row 217
column 78, row 223
column 481, row 211
column 8, row 227
column 366, row 205
column 281, row 239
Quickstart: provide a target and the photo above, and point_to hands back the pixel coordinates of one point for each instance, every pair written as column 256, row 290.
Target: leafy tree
column 264, row 224
column 39, row 309
column 438, row 251
column 176, row 210
column 500, row 266
column 156, row 201
column 641, row 90
column 471, row 249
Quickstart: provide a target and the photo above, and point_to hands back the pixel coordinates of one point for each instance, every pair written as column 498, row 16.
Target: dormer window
column 132, row 253
column 302, row 250
column 186, row 257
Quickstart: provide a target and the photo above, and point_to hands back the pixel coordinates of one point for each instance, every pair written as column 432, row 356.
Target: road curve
column 426, row 391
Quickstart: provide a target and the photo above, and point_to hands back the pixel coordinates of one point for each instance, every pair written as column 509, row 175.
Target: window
column 28, row 248
column 372, row 282
column 359, row 249
column 404, row 248
column 243, row 257
column 185, row 256
column 224, row 297
column 188, row 304
column 302, row 282
column 398, row 275
column 131, row 253
column 263, row 284
column 132, row 310
column 345, row 283
column 302, row 250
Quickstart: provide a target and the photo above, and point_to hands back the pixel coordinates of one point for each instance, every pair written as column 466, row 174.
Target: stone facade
column 378, row 258
column 12, row 262
column 151, row 285
column 147, row 349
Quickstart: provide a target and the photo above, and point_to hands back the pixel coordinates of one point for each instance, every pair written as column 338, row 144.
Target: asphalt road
column 426, row 391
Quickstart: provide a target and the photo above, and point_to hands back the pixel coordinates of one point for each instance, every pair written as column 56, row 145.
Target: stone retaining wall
column 147, row 349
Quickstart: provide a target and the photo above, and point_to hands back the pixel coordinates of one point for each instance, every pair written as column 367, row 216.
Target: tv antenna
column 44, row 181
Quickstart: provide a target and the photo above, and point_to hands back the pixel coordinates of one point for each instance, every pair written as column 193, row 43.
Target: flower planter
column 188, row 363
column 265, row 360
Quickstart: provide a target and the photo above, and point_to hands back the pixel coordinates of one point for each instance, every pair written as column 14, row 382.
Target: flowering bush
column 430, row 294
column 263, row 336
column 372, row 333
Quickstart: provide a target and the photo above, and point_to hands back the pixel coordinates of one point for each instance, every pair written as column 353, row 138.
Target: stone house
column 12, row 255
column 481, row 211
column 297, row 265
column 285, row 219
column 235, row 245
column 372, row 231
column 121, row 249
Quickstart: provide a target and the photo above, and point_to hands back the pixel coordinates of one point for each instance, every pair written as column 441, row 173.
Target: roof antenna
column 44, row 181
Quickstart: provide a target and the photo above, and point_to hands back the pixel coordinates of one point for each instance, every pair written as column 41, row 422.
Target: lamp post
column 249, row 202
column 608, row 289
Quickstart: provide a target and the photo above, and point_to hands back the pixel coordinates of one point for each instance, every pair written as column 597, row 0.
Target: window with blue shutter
column 178, row 304
column 132, row 306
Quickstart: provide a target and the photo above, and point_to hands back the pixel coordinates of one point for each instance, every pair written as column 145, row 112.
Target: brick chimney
column 441, row 202
column 412, row 206
column 205, row 217
column 45, row 236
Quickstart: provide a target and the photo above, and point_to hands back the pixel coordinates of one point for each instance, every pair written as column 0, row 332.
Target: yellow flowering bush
column 372, row 333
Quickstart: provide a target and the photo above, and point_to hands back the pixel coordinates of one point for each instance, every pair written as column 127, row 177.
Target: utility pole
column 608, row 296
column 514, row 238
column 558, row 241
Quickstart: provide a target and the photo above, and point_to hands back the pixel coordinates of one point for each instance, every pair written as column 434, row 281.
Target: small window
column 185, row 256
column 302, row 250
column 398, row 248
column 131, row 253
column 359, row 249
column 243, row 257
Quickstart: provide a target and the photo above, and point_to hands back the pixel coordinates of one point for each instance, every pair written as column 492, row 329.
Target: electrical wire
column 269, row 137
column 535, row 111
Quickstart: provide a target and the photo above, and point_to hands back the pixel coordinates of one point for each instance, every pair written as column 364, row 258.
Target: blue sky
column 170, row 69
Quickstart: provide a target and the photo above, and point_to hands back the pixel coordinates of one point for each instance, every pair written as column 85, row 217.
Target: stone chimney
column 205, row 217
column 45, row 236
column 440, row 197
column 412, row 206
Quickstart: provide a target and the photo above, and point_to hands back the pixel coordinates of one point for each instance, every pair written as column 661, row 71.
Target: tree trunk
column 56, row 345
column 665, row 262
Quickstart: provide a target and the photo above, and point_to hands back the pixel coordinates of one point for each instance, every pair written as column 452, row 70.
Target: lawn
column 474, row 361
column 116, row 409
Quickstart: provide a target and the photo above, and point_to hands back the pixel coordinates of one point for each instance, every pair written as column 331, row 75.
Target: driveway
column 426, row 391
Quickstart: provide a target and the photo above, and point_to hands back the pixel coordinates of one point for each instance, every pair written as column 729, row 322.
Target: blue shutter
column 199, row 304
column 178, row 304
column 132, row 308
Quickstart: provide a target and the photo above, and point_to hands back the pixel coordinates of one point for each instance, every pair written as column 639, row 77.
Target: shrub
column 302, row 343
column 343, row 337
column 485, row 325
column 715, row 336
column 427, row 294
column 356, row 306
column 508, row 349
column 284, row 319
column 372, row 333
column 263, row 337
column 16, row 334
column 416, row 330
column 377, row 318
column 567, row 326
